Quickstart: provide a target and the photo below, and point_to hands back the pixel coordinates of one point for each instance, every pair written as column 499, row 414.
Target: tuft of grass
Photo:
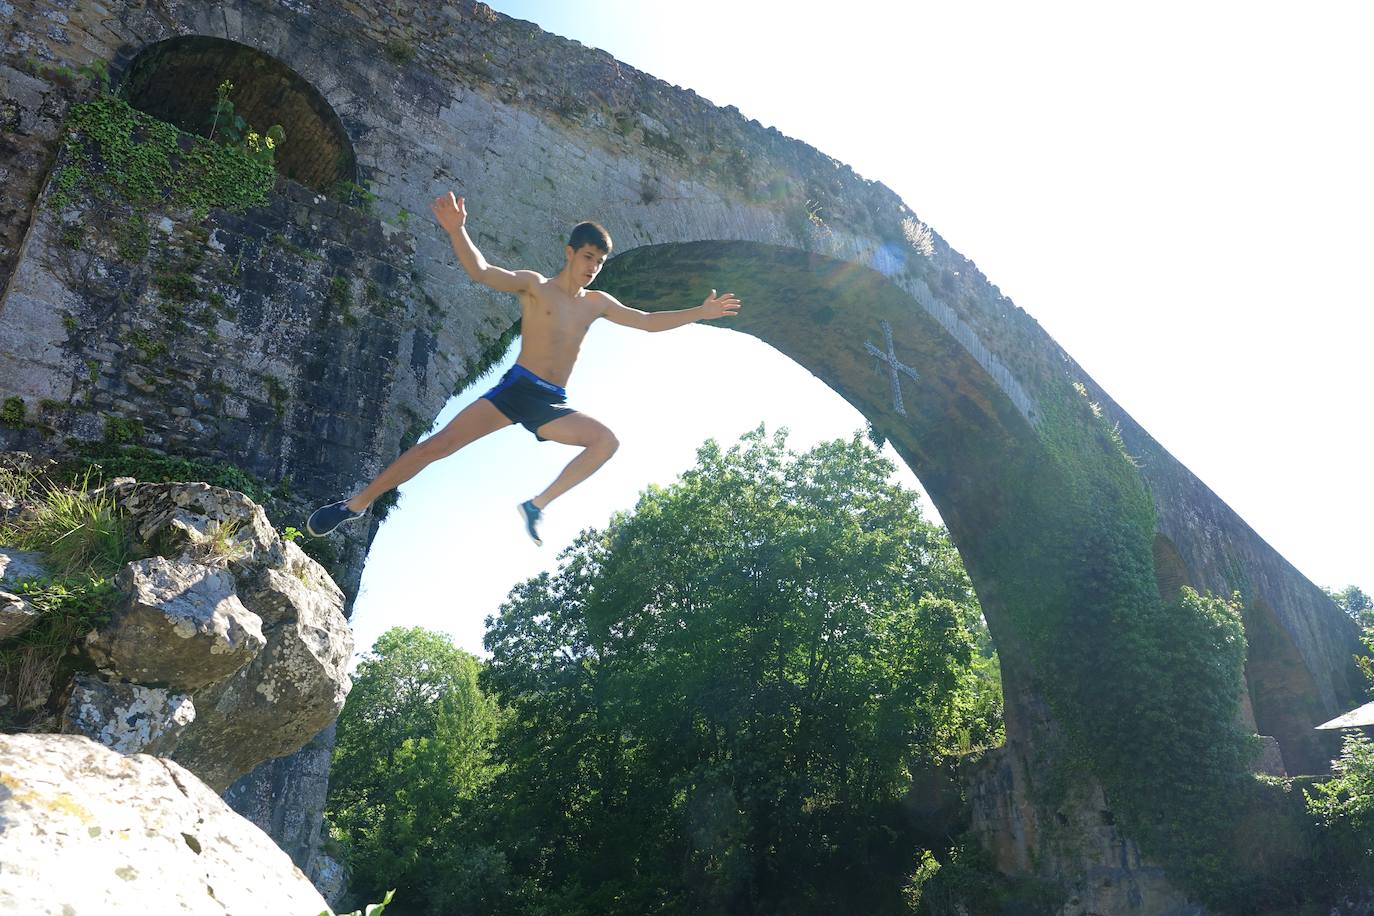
column 31, row 662
column 16, row 484
column 222, row 546
column 77, row 533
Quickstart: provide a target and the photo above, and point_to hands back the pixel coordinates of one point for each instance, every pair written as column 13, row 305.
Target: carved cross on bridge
column 893, row 367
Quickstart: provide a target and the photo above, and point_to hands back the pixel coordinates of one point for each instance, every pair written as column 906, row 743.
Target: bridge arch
column 175, row 80
column 973, row 448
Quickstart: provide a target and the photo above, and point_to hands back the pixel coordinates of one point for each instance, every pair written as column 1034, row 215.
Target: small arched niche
column 176, row 81
column 1285, row 697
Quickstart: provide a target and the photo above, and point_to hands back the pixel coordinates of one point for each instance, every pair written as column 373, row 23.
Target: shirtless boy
column 555, row 314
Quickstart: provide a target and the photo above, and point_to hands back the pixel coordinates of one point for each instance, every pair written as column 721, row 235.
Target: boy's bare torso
column 552, row 327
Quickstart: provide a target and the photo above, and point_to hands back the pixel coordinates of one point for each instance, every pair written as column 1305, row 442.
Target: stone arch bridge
column 313, row 336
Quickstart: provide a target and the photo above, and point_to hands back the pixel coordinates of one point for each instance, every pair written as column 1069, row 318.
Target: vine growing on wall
column 1146, row 687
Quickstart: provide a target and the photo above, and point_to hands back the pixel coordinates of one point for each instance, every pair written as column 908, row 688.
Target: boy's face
column 585, row 263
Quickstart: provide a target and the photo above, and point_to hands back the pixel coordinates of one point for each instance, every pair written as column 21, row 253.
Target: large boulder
column 228, row 610
column 199, row 522
column 88, row 830
column 225, row 648
column 179, row 624
column 293, row 689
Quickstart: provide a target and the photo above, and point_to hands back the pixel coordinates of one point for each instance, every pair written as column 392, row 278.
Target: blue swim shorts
column 528, row 399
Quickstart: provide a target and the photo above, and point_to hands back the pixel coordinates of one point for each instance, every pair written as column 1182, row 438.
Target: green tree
column 716, row 703
column 1354, row 602
column 411, row 759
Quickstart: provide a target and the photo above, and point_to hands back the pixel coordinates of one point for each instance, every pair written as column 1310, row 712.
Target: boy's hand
column 723, row 306
column 450, row 213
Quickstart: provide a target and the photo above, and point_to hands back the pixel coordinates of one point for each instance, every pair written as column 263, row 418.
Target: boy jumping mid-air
column 555, row 314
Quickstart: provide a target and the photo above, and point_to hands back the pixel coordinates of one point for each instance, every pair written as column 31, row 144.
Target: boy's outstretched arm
column 453, row 216
column 725, row 305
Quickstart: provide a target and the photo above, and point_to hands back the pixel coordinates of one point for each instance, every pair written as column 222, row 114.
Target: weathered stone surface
column 179, row 625
column 1269, row 761
column 200, row 522
column 1073, row 843
column 288, row 694
column 127, row 718
column 149, row 837
column 329, row 877
column 18, row 564
column 284, row 797
column 16, row 615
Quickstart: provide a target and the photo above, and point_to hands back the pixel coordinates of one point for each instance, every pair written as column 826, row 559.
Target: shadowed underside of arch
column 975, row 453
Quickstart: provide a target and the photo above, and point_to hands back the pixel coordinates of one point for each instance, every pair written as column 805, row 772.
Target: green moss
column 277, row 394
column 354, row 195
column 12, row 411
column 132, row 238
column 400, row 51
column 117, row 152
column 123, row 430
column 32, row 662
column 72, row 235
column 106, row 462
column 148, row 348
column 339, row 296
column 176, row 286
column 282, row 242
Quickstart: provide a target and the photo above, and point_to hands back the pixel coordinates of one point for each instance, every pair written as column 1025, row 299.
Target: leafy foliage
column 717, row 703
column 713, row 706
column 1148, row 698
column 112, row 460
column 118, row 152
column 1345, row 803
column 30, row 663
column 1353, row 600
column 410, row 759
column 372, row 909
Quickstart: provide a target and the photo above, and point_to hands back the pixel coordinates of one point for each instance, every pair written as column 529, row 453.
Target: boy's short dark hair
column 593, row 234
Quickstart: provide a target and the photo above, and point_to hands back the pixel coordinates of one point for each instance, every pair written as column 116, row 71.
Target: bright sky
column 1180, row 193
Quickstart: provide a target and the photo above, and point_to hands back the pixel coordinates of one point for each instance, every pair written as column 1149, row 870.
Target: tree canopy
column 715, row 705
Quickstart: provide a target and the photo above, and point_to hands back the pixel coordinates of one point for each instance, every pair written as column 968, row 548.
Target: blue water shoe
column 326, row 518
column 530, row 514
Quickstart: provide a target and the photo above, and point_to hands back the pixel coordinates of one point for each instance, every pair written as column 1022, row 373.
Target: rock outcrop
column 225, row 648
column 88, row 830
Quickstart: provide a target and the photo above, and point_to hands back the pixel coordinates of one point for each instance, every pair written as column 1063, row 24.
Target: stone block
column 17, row 616
column 128, row 718
column 178, row 624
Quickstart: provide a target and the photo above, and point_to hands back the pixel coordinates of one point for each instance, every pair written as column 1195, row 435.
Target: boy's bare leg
column 598, row 445
column 478, row 419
